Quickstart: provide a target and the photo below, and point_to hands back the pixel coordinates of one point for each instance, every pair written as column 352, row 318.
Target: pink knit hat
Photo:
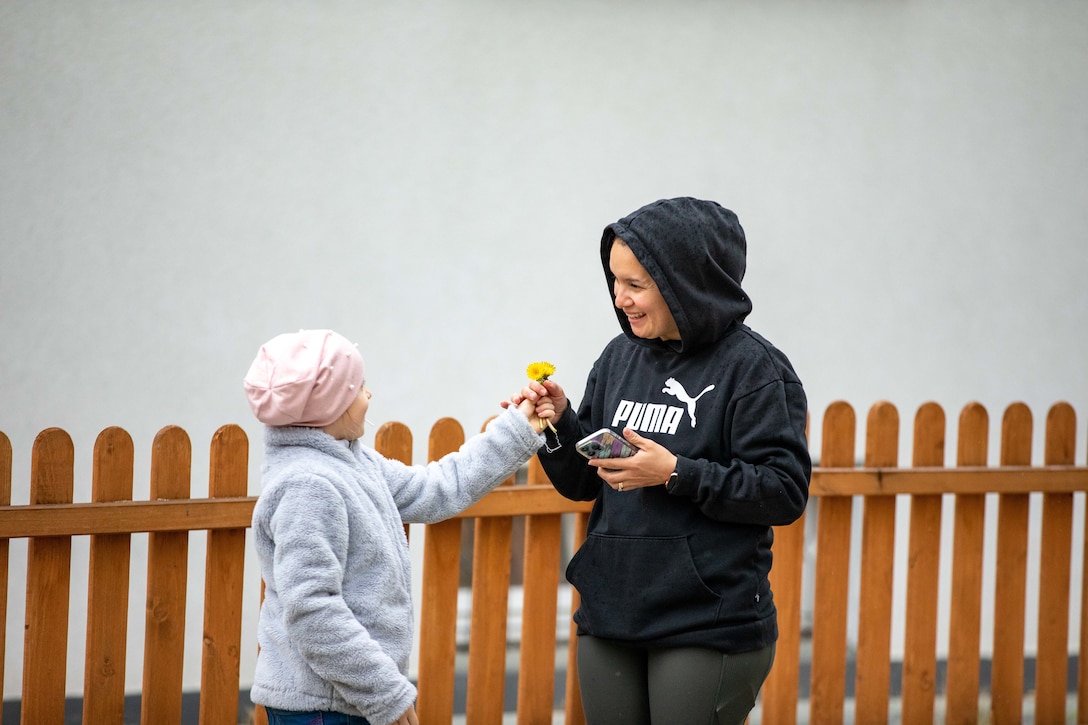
column 309, row 378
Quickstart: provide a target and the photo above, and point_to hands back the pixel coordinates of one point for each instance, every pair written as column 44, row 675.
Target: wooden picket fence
column 880, row 486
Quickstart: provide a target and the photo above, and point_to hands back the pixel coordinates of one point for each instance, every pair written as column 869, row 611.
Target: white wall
column 181, row 181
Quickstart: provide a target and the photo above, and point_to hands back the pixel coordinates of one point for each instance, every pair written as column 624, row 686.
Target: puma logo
column 675, row 389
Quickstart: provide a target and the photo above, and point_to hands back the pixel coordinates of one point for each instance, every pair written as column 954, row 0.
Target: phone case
column 605, row 444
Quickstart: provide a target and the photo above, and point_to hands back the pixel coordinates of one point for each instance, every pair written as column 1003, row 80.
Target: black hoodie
column 688, row 565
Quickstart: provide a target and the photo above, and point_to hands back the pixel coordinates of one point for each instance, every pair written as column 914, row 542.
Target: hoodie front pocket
column 640, row 588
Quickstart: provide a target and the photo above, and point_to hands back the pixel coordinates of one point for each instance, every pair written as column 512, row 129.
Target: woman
column 677, row 623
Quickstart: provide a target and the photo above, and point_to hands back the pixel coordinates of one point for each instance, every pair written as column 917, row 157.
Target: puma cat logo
column 658, row 417
column 675, row 389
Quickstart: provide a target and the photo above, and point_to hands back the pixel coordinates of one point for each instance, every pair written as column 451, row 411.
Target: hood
column 695, row 251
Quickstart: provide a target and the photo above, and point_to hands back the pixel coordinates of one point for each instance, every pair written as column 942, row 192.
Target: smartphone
column 605, row 443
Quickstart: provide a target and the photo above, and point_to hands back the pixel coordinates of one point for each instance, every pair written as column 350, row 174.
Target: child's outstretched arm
column 443, row 488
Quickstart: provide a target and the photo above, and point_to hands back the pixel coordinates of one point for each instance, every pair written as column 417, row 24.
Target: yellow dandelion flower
column 540, row 371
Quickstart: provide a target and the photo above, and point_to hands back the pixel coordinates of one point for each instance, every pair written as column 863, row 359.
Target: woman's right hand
column 550, row 390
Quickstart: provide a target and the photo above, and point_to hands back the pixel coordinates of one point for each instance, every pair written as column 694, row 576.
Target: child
column 335, row 628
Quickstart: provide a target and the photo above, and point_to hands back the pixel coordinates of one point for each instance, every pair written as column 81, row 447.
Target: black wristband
column 670, row 484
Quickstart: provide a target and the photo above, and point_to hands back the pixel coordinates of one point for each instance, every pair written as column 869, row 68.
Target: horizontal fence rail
column 845, row 558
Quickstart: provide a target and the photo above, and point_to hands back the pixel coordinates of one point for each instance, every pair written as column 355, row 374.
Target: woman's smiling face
column 638, row 297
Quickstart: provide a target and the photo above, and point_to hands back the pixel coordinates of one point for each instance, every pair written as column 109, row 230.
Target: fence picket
column 394, row 441
column 1082, row 670
column 536, row 670
column 441, row 571
column 491, row 587
column 1007, row 673
column 5, row 500
column 167, row 585
column 492, row 537
column 780, row 692
column 487, row 633
column 873, row 675
column 1055, row 559
column 923, row 569
column 223, row 577
column 108, row 586
column 965, row 629
column 832, row 576
column 573, row 700
column 48, row 576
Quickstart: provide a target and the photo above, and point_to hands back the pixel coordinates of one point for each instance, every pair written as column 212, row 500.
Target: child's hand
column 537, row 410
column 528, row 408
column 548, row 394
column 408, row 718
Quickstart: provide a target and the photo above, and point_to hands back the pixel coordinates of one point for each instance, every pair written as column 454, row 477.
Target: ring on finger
column 621, row 485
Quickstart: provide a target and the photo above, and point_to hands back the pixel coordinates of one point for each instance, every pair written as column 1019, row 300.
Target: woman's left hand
column 650, row 466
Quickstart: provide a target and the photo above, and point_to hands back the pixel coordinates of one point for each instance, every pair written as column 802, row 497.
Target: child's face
column 351, row 425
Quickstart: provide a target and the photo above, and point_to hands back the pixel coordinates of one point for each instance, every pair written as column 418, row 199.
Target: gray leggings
column 631, row 685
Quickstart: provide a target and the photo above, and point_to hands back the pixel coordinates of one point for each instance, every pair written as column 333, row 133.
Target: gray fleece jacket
column 335, row 629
